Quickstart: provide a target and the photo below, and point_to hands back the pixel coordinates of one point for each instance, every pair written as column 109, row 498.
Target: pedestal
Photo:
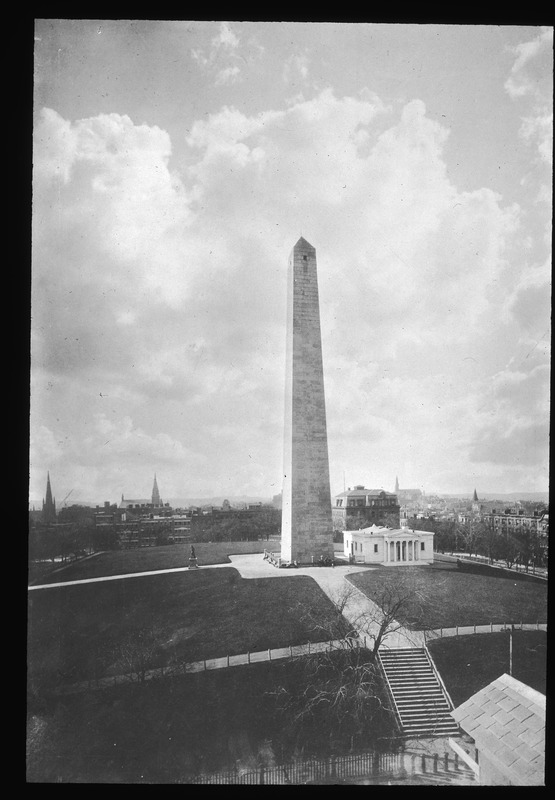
column 193, row 563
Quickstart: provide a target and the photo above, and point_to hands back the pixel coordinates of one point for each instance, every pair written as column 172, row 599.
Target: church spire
column 156, row 494
column 48, row 505
column 475, row 497
column 396, row 484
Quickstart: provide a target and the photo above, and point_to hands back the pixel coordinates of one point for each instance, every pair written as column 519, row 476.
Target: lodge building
column 389, row 547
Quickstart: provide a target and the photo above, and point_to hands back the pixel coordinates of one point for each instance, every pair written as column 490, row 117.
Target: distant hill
column 538, row 497
column 185, row 502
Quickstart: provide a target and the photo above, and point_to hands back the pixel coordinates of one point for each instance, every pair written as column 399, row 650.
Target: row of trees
column 237, row 526
column 524, row 546
column 50, row 542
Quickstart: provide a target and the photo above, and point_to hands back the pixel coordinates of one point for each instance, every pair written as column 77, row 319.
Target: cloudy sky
column 177, row 163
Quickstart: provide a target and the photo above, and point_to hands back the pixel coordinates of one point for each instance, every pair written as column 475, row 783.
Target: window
column 422, row 545
column 375, row 548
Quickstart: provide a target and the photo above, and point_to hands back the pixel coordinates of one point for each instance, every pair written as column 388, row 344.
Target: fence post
column 309, row 648
column 269, row 654
column 457, row 631
column 456, row 762
column 446, row 762
column 332, row 766
column 436, row 757
column 291, row 650
column 248, row 658
column 205, row 664
column 491, row 627
column 228, row 659
column 441, row 633
column 475, row 629
column 261, row 779
column 375, row 763
column 423, row 763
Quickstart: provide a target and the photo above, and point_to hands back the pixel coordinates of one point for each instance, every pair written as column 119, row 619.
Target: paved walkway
column 359, row 610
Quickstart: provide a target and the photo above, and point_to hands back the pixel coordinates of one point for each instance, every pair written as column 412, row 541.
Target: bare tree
column 136, row 653
column 340, row 690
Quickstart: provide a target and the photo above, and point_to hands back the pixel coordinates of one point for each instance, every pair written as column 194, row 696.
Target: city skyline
column 175, row 166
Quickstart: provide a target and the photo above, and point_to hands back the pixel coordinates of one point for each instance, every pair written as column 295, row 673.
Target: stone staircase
column 420, row 701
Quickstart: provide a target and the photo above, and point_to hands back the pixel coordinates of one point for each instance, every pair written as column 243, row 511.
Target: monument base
column 193, row 563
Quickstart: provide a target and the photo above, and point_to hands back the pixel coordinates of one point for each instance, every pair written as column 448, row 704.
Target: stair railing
column 439, row 678
column 391, row 695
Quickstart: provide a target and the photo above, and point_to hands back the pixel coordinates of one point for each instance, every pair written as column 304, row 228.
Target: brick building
column 360, row 507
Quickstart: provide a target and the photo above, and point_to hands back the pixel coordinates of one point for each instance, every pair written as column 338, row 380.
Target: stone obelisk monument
column 306, row 522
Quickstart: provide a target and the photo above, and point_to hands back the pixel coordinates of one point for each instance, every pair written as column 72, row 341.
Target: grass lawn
column 121, row 562
column 75, row 631
column 468, row 663
column 449, row 597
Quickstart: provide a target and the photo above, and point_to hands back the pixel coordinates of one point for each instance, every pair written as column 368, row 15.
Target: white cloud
column 531, row 80
column 225, row 38
column 295, row 69
column 227, row 75
column 523, row 79
column 222, row 46
column 55, row 145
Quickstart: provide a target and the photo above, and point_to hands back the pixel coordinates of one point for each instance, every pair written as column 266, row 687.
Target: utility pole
column 511, row 649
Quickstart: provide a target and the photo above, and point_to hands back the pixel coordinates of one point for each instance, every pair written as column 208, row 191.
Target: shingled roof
column 506, row 719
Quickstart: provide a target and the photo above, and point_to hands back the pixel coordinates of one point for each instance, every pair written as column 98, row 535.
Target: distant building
column 506, row 720
column 405, row 496
column 516, row 519
column 362, row 507
column 379, row 545
column 144, row 504
column 49, row 504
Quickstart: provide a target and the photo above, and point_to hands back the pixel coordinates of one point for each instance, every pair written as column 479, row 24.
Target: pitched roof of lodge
column 382, row 530
column 506, row 719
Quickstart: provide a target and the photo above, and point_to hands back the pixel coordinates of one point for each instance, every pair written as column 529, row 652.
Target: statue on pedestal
column 193, row 563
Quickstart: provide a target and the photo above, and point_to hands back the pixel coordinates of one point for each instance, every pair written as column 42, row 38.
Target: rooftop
column 360, row 491
column 506, row 719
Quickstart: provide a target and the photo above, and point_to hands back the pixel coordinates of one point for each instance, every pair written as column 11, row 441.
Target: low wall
column 478, row 568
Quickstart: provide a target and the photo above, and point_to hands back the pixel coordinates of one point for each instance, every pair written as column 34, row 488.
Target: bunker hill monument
column 306, row 523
